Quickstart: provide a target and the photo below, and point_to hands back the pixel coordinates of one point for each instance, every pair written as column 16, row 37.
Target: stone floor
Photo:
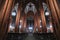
column 31, row 36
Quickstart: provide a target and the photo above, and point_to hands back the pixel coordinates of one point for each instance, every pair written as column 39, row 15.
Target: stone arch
column 30, row 7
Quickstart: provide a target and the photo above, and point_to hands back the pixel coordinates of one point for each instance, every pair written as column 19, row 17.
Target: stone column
column 50, row 23
column 3, row 12
column 35, row 23
column 38, row 23
column 17, row 19
column 55, row 21
column 54, row 14
column 44, row 28
column 22, row 29
column 9, row 23
column 2, row 2
column 56, row 8
column 25, row 22
column 6, row 12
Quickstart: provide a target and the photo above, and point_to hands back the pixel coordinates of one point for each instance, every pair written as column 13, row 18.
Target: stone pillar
column 6, row 12
column 2, row 2
column 56, row 8
column 17, row 19
column 25, row 22
column 38, row 23
column 35, row 24
column 50, row 23
column 9, row 23
column 3, row 12
column 22, row 23
column 44, row 28
column 55, row 21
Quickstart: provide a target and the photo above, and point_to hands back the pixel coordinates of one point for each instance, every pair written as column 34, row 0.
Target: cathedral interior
column 29, row 19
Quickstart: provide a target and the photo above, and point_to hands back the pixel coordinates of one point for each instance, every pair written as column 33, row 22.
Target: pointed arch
column 30, row 7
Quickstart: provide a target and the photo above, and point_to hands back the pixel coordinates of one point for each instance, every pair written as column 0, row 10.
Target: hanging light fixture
column 47, row 13
column 13, row 14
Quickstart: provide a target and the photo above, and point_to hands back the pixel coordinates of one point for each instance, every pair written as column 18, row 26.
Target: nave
column 29, row 20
